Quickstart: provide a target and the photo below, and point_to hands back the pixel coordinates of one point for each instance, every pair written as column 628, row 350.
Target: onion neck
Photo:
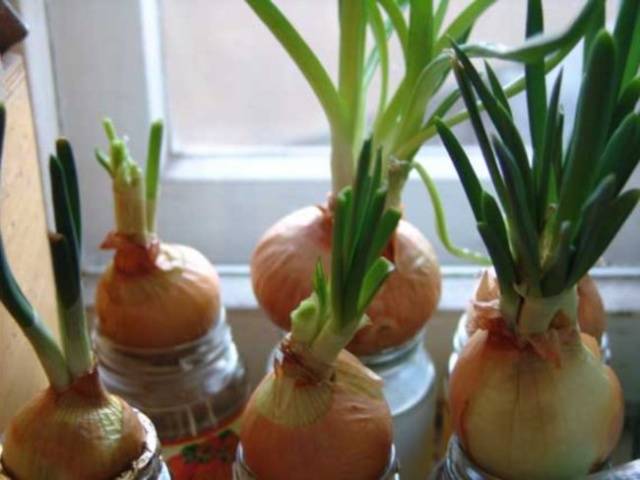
column 89, row 386
column 342, row 162
column 130, row 208
column 132, row 257
column 398, row 173
column 298, row 362
column 537, row 314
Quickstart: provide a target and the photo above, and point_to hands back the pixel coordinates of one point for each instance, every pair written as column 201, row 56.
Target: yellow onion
column 519, row 415
column 591, row 315
column 79, row 433
column 284, row 260
column 156, row 297
column 304, row 422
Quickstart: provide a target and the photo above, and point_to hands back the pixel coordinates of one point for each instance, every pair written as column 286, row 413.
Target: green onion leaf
column 304, row 58
column 627, row 22
column 594, row 210
column 538, row 47
column 373, row 280
column 493, row 218
column 73, row 326
column 67, row 162
column 394, row 12
column 109, row 130
column 503, row 123
column 421, row 38
column 543, row 166
column 555, row 278
column 337, row 254
column 441, row 221
column 20, row 309
column 621, row 154
column 152, row 172
column 36, row 331
column 633, row 57
column 616, row 214
column 597, row 23
column 379, row 34
column 461, row 162
column 534, row 77
column 463, row 22
column 593, row 114
column 496, row 88
column 353, row 28
column 502, row 261
column 104, row 160
column 65, row 224
column 438, row 17
column 627, row 103
column 385, row 229
column 525, row 232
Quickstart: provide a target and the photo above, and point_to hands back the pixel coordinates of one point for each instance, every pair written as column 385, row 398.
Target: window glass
column 231, row 84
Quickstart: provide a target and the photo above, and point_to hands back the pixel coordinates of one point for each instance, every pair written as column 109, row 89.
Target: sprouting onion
column 153, row 295
column 73, row 429
column 399, row 127
column 530, row 396
column 321, row 414
column 591, row 315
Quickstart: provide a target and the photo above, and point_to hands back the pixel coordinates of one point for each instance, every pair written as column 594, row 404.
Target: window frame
column 134, row 95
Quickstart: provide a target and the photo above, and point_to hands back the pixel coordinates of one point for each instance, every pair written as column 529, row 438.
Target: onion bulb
column 282, row 268
column 153, row 295
column 171, row 300
column 81, row 432
column 591, row 315
column 294, row 417
column 530, row 396
column 320, row 414
column 519, row 415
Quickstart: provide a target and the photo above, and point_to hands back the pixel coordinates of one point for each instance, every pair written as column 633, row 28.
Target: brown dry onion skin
column 521, row 416
column 174, row 300
column 591, row 315
column 302, row 429
column 81, row 433
column 282, row 268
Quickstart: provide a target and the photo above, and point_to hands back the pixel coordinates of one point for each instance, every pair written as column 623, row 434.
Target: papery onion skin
column 81, row 433
column 591, row 315
column 519, row 416
column 176, row 300
column 337, row 429
column 282, row 267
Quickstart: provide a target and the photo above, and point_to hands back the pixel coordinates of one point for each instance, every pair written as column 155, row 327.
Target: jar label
column 209, row 456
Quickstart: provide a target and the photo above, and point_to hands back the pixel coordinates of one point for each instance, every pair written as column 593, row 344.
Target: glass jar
column 409, row 376
column 458, row 466
column 242, row 472
column 185, row 389
column 193, row 392
column 149, row 466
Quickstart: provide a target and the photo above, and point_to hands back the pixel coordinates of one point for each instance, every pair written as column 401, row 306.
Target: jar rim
column 242, row 472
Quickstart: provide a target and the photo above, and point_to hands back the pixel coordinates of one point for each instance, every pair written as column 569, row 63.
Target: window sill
column 618, row 286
